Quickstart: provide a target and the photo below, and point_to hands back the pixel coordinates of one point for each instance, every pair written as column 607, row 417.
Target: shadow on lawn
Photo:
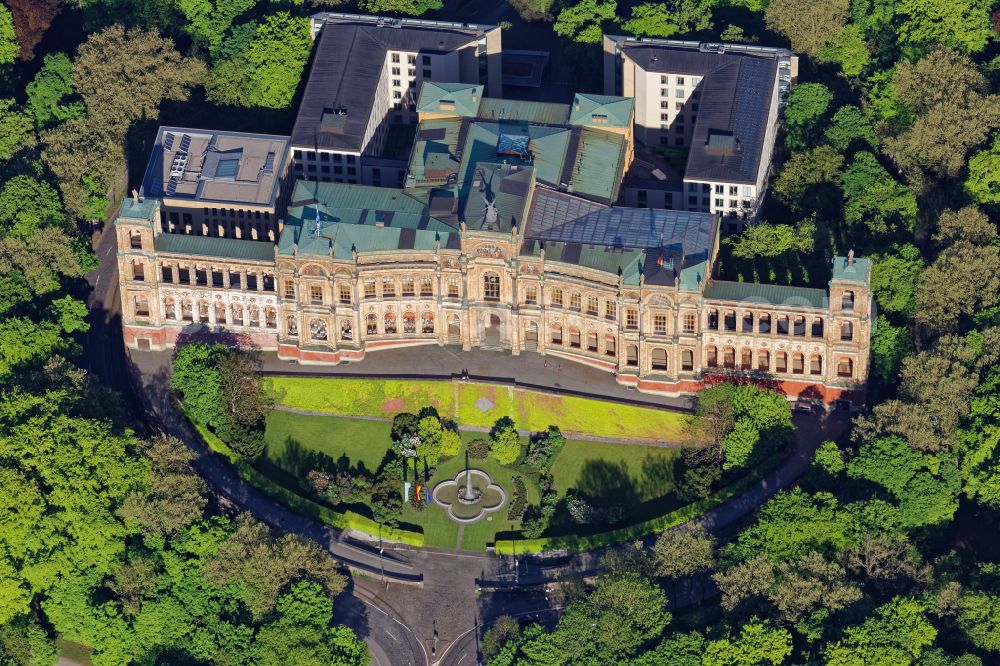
column 298, row 461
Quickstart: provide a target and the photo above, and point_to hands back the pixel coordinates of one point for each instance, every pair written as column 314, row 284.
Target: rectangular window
column 610, row 310
column 316, row 294
column 575, row 301
column 168, row 274
column 557, row 298
column 631, row 320
column 689, row 323
column 369, row 288
column 426, row 287
column 659, row 324
column 345, row 294
column 592, row 305
column 680, row 80
column 426, row 60
column 453, row 288
column 289, row 291
column 531, row 294
column 407, row 286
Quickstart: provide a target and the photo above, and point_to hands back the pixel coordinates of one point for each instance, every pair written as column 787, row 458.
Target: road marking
column 391, row 635
column 378, row 609
column 98, row 281
column 108, row 253
column 462, row 658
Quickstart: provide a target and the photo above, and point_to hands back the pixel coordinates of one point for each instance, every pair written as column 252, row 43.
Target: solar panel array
column 172, row 186
column 185, row 143
column 168, row 140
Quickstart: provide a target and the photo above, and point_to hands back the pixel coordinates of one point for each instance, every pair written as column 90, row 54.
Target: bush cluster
column 519, row 501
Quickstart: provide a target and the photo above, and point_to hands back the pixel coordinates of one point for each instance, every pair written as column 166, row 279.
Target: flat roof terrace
column 215, row 167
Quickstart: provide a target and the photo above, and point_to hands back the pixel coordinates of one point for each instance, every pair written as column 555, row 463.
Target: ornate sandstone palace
column 504, row 236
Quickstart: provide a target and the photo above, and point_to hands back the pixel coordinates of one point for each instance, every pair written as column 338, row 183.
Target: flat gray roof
column 347, row 66
column 212, row 166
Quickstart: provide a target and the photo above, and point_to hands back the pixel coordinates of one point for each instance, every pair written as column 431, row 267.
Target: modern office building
column 706, row 118
column 358, row 113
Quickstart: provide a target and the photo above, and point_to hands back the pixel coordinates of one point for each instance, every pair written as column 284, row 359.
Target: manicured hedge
column 305, row 506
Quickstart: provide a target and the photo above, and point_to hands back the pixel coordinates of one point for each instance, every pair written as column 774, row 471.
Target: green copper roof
column 523, row 111
column 367, row 219
column 208, row 246
column 766, row 294
column 459, row 99
column 601, row 110
column 857, row 272
column 693, row 276
column 141, row 211
column 597, row 170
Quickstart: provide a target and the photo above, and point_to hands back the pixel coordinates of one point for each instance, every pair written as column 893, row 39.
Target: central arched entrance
column 454, row 330
column 491, row 333
column 531, row 336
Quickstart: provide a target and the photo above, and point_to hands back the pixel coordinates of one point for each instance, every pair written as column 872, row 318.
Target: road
column 398, row 621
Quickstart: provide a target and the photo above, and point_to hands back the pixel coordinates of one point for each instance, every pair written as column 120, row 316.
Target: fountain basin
column 469, row 496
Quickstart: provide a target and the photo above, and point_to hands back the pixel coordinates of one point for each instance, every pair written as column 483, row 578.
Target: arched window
column 799, row 326
column 203, row 312
column 237, row 311
column 427, row 322
column 557, row 338
column 220, row 312
column 390, row 323
column 687, row 360
column 659, row 359
column 610, row 345
column 729, row 358
column 846, row 330
column 491, row 287
column 847, row 301
column 317, row 329
column 574, row 338
column 270, row 317
column 764, row 323
column 713, row 320
column 346, row 330
column 816, row 365
column 371, row 324
column 781, row 362
column 168, row 307
column 845, row 367
column 254, row 316
column 409, row 322
column 798, row 364
column 592, row 342
column 292, row 326
column 746, row 359
column 764, row 360
column 632, row 356
column 712, row 357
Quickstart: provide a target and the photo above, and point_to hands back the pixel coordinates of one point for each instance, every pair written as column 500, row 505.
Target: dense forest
column 885, row 554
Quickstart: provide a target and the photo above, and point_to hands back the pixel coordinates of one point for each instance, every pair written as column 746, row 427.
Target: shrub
column 543, row 447
column 519, row 500
column 536, row 518
column 506, row 448
column 580, row 511
column 479, row 449
column 451, row 443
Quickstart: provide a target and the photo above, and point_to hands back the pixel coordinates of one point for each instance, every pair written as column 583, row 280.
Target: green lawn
column 641, row 476
column 462, row 401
